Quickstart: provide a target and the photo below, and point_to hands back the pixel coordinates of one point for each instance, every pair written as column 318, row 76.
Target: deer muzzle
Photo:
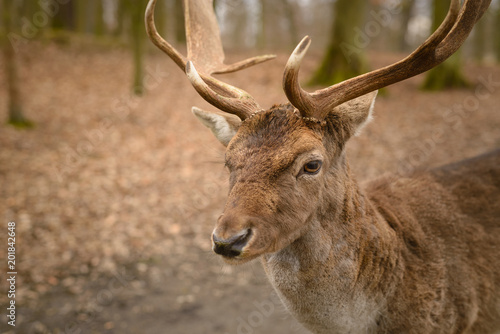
column 232, row 246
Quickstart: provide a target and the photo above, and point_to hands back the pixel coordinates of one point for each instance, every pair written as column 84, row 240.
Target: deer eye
column 312, row 167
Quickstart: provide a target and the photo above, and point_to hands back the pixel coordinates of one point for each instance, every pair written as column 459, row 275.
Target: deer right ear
column 358, row 112
column 224, row 126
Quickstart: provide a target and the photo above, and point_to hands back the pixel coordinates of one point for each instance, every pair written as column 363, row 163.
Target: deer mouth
column 237, row 249
column 233, row 246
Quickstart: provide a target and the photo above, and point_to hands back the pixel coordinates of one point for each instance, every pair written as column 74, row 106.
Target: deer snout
column 232, row 246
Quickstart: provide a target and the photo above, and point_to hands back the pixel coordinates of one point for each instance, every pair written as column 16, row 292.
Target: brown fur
column 414, row 254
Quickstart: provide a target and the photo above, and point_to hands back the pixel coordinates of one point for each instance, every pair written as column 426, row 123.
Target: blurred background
column 115, row 187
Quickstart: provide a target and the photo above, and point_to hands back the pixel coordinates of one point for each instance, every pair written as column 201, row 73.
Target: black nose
column 232, row 246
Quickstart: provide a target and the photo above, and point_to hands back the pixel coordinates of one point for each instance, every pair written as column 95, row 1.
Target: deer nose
column 232, row 246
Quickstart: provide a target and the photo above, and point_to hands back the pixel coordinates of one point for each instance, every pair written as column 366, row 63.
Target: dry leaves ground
column 115, row 196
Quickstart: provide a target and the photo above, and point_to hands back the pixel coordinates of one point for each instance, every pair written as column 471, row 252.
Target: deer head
column 287, row 165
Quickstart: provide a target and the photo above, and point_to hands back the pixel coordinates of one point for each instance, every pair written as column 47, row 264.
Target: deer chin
column 240, row 259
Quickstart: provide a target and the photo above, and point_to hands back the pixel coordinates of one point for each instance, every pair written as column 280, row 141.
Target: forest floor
column 115, row 196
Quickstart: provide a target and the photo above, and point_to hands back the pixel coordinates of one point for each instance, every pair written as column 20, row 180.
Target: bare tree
column 10, row 15
column 343, row 58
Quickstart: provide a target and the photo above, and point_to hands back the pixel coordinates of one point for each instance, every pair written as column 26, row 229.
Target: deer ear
column 223, row 126
column 358, row 112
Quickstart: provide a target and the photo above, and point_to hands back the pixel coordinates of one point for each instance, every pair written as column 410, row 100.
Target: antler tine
column 297, row 96
column 245, row 105
column 157, row 40
column 438, row 47
column 452, row 41
column 205, row 49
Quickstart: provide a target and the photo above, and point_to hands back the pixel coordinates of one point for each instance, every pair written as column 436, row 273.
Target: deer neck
column 335, row 275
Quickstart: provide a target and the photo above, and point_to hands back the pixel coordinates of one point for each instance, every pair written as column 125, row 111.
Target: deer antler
column 205, row 51
column 445, row 41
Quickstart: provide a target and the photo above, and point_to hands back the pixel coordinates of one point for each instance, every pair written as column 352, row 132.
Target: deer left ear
column 223, row 126
column 358, row 112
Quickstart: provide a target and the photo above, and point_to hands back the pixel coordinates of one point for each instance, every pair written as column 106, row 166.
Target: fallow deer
column 418, row 253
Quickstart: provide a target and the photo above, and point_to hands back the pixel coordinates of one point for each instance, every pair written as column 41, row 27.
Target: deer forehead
column 272, row 140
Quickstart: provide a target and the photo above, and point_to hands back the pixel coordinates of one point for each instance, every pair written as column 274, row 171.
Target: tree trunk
column 180, row 29
column 64, row 16
column 16, row 117
column 497, row 29
column 344, row 57
column 291, row 22
column 480, row 40
column 29, row 8
column 161, row 17
column 136, row 10
column 121, row 19
column 99, row 18
column 81, row 17
column 448, row 74
column 262, row 33
column 239, row 20
column 406, row 8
